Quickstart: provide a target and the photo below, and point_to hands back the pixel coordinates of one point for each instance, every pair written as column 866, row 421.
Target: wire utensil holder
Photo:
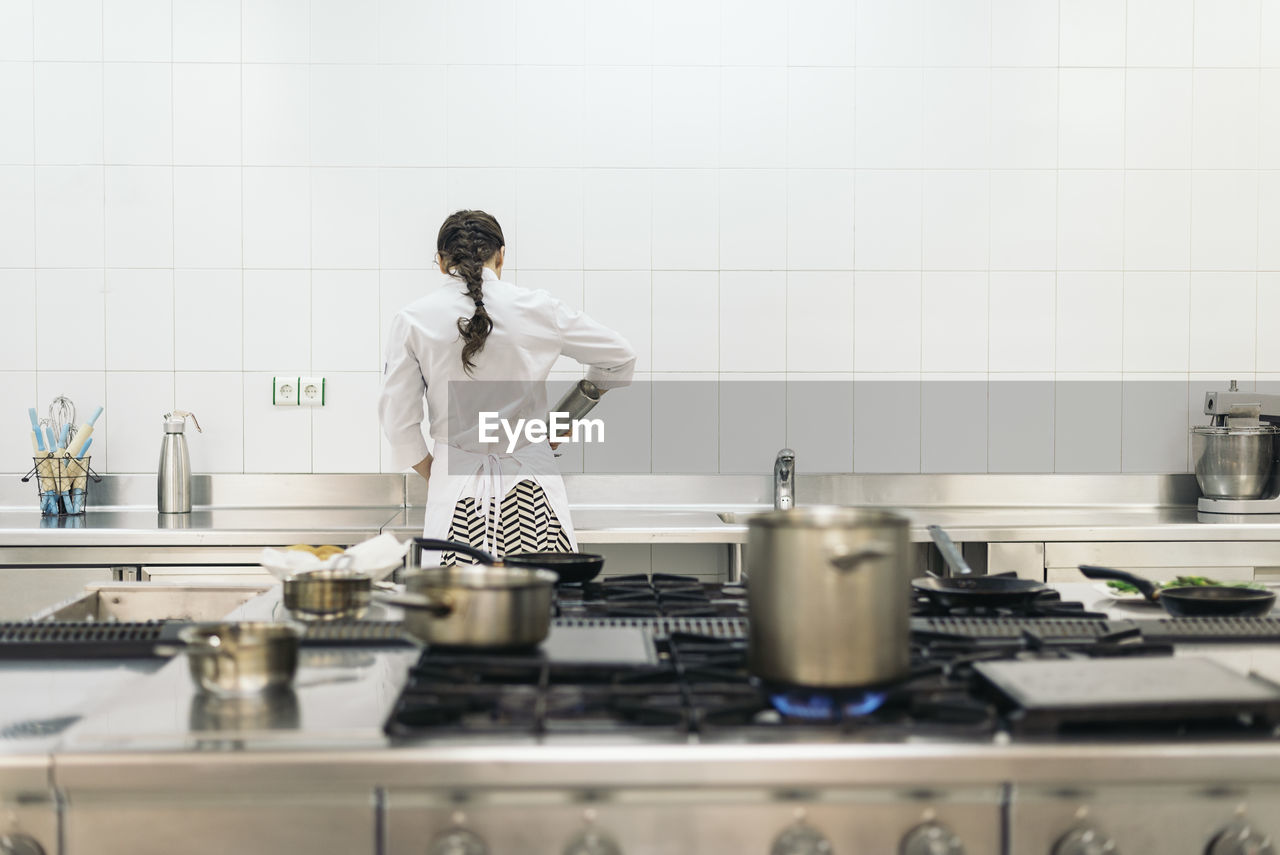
column 62, row 483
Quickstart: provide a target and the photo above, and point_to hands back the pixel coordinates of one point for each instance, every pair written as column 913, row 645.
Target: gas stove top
column 697, row 685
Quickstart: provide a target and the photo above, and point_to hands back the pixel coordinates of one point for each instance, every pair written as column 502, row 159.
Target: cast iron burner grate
column 661, row 595
column 701, row 687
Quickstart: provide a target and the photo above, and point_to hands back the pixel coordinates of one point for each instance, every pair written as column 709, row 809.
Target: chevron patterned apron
column 497, row 502
column 525, row 523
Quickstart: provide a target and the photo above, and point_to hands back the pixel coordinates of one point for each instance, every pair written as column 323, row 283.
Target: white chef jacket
column 531, row 329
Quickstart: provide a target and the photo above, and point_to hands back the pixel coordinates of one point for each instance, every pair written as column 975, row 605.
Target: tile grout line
column 311, row 230
column 244, row 410
column 35, row 206
column 173, row 226
column 102, row 128
column 1124, row 209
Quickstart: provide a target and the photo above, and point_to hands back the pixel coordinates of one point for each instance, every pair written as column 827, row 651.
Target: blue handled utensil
column 35, row 428
column 78, row 492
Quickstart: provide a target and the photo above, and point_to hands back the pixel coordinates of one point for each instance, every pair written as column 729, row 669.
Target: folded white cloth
column 377, row 557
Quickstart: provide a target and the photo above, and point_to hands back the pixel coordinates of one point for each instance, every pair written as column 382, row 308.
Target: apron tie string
column 488, row 499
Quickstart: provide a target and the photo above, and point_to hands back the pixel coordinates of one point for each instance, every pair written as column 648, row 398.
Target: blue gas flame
column 823, row 707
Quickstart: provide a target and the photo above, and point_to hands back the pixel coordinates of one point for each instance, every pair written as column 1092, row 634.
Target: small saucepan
column 329, row 594
column 569, row 566
column 967, row 590
column 1193, row 600
column 469, row 606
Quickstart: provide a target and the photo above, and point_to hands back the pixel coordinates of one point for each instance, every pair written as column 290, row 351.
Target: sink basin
column 737, row 517
column 141, row 601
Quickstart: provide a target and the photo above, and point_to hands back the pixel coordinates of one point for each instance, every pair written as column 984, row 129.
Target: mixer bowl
column 1235, row 462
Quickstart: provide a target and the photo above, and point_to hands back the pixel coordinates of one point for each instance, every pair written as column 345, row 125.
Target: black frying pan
column 1193, row 600
column 569, row 566
column 967, row 590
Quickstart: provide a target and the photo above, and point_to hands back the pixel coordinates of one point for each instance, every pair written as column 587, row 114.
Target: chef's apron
column 495, row 502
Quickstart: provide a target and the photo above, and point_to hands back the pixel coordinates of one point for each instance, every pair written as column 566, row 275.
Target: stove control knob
column 931, row 839
column 19, row 844
column 801, row 839
column 1085, row 840
column 458, row 841
column 1240, row 838
column 592, row 841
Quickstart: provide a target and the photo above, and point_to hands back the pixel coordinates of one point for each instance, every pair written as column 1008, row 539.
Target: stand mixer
column 1236, row 460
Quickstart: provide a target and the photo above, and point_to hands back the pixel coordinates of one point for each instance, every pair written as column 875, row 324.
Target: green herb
column 1182, row 582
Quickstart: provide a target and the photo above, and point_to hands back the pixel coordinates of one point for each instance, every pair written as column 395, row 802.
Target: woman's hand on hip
column 423, row 468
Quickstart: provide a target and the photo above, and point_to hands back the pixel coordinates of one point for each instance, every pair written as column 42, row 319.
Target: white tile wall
column 139, row 316
column 208, row 320
column 17, row 226
column 1159, row 32
column 208, row 216
column 206, row 30
column 1054, row 202
column 206, row 119
column 137, row 113
column 751, row 304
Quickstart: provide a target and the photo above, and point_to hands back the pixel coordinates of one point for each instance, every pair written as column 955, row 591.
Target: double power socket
column 297, row 391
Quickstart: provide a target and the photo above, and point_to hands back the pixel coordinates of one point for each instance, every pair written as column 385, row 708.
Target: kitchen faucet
column 784, row 480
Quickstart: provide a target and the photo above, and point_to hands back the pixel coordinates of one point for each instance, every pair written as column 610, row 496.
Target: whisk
column 62, row 413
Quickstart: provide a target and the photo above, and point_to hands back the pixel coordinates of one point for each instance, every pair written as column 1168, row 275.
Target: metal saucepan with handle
column 1193, row 600
column 232, row 659
column 571, row 567
column 335, row 593
column 475, row 606
column 967, row 590
column 828, row 599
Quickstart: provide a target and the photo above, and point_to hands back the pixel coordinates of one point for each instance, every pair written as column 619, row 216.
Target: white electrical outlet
column 311, row 391
column 285, row 391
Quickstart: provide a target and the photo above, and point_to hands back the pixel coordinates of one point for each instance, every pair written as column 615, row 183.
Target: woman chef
column 480, row 345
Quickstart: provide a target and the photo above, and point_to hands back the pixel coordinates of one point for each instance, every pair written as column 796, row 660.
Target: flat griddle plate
column 1048, row 695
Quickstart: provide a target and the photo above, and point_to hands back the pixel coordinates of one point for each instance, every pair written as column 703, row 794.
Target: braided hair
column 467, row 240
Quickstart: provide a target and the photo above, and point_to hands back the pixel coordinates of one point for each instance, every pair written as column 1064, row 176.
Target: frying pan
column 569, row 566
column 1193, row 600
column 968, row 590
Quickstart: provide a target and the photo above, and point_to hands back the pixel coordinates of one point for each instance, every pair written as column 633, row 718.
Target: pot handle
column 853, row 560
column 431, row 543
column 951, row 552
column 442, row 607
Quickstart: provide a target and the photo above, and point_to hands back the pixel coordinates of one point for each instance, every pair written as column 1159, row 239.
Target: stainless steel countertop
column 155, row 733
column 228, row 527
column 249, row 511
column 201, row 527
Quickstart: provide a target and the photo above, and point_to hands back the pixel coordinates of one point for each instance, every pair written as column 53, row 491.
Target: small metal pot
column 328, row 594
column 477, row 606
column 1234, row 462
column 240, row 658
column 829, row 597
